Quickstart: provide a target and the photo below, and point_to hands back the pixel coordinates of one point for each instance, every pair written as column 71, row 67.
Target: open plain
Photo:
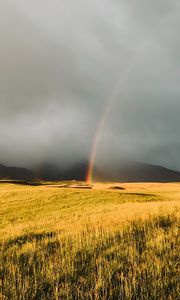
column 67, row 240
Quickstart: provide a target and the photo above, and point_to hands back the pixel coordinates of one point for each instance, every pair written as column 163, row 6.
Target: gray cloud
column 60, row 62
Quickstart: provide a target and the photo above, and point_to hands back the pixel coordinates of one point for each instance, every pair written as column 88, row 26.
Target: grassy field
column 100, row 243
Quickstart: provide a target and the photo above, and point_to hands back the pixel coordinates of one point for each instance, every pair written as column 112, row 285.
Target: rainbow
column 96, row 140
column 116, row 93
column 102, row 123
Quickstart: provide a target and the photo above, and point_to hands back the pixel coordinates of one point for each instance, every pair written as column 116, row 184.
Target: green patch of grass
column 20, row 205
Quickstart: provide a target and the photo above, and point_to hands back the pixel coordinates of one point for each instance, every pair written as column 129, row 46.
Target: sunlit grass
column 89, row 244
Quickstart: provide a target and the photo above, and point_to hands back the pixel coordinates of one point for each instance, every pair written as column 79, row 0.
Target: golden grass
column 60, row 243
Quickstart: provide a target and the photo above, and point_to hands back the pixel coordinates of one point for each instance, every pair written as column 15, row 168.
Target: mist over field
column 60, row 63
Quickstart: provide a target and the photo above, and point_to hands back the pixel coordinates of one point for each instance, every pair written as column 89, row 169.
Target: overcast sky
column 61, row 60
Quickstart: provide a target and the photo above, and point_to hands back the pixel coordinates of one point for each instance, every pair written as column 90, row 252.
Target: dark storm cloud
column 61, row 60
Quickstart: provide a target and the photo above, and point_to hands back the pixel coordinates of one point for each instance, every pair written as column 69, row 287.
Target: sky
column 61, row 62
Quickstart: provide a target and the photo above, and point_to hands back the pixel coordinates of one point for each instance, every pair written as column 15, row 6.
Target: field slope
column 115, row 241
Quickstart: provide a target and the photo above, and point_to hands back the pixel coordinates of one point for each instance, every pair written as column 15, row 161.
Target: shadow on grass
column 120, row 265
column 21, row 240
column 22, row 182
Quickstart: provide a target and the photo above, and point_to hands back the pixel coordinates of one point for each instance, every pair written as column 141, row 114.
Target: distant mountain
column 126, row 172
column 14, row 173
column 137, row 172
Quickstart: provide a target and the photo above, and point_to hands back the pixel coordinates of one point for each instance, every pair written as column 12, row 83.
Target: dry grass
column 89, row 244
